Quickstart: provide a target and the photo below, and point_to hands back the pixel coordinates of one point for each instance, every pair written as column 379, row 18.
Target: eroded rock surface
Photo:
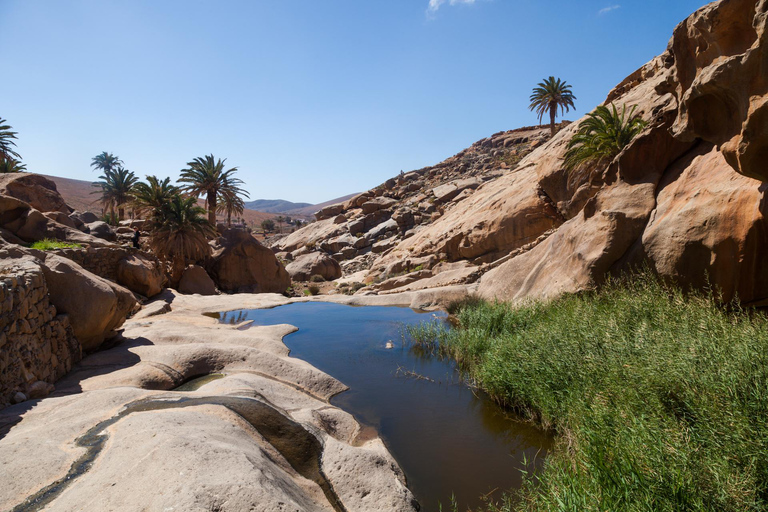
column 260, row 438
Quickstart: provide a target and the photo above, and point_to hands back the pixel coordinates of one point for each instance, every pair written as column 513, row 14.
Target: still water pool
column 447, row 439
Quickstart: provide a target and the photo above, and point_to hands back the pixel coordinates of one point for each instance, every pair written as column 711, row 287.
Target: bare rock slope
column 685, row 197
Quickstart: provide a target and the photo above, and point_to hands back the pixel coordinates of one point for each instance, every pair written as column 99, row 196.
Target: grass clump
column 317, row 278
column 659, row 399
column 50, row 244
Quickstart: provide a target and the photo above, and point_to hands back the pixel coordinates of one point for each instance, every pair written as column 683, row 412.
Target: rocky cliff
column 685, row 197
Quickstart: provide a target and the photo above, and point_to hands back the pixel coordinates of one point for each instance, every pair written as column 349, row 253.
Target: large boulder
column 85, row 217
column 242, row 265
column 141, row 275
column 102, row 230
column 96, row 307
column 316, row 263
column 37, row 191
column 195, row 280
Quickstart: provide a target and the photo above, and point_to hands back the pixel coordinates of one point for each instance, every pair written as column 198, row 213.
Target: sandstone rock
column 195, row 280
column 37, row 191
column 447, row 192
column 141, row 275
column 96, row 307
column 242, row 264
column 379, row 203
column 39, row 389
column 339, row 243
column 329, row 211
column 383, row 246
column 85, row 217
column 102, row 230
column 708, row 227
column 315, row 263
column 312, row 234
column 18, row 398
column 62, row 218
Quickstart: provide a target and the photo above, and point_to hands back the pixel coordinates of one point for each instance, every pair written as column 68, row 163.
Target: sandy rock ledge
column 116, row 436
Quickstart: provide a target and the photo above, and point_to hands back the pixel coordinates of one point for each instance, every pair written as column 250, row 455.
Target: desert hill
column 685, row 197
column 274, row 205
column 78, row 194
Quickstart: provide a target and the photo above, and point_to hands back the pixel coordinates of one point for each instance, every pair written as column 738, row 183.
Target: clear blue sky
column 311, row 99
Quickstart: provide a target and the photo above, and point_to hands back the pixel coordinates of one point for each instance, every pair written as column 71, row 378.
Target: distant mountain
column 309, row 210
column 274, row 205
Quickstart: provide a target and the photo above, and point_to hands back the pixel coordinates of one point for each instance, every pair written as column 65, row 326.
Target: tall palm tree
column 230, row 204
column 116, row 187
column 150, row 197
column 7, row 137
column 206, row 177
column 178, row 232
column 601, row 136
column 548, row 96
column 106, row 162
column 8, row 165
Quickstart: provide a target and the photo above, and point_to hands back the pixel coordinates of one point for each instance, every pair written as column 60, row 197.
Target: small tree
column 267, row 225
column 280, row 219
column 179, row 231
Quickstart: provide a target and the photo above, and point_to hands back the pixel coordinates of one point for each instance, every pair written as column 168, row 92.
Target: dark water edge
column 448, row 439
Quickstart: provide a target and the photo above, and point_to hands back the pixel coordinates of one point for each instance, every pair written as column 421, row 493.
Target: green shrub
column 49, row 244
column 604, row 133
column 313, row 290
column 659, row 399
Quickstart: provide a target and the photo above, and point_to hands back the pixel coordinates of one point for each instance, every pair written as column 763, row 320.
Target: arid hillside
column 685, row 197
column 79, row 195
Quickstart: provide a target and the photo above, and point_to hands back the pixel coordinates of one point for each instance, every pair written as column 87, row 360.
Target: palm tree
column 601, row 136
column 8, row 165
column 7, row 137
column 179, row 231
column 116, row 189
column 280, row 219
column 206, row 177
column 106, row 162
column 230, row 204
column 150, row 197
column 548, row 96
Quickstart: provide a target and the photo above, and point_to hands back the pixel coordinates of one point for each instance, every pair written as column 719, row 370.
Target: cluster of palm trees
column 177, row 225
column 10, row 160
column 204, row 177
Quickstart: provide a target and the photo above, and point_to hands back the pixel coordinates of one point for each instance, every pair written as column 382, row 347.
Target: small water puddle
column 448, row 439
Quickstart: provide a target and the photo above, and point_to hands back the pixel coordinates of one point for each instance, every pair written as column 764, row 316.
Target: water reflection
column 447, row 438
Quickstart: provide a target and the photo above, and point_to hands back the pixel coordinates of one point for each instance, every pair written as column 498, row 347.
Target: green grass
column 658, row 399
column 50, row 244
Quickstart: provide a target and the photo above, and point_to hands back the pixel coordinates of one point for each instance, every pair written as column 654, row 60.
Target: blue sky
column 311, row 99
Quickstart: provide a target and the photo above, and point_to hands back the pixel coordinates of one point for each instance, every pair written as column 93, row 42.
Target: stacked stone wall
column 37, row 346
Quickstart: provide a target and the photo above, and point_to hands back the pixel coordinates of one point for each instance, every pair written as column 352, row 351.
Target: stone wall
column 37, row 346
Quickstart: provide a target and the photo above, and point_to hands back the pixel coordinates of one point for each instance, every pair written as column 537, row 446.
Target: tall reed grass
column 658, row 399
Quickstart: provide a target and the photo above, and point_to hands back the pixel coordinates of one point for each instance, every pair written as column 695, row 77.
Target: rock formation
column 685, row 197
column 240, row 264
